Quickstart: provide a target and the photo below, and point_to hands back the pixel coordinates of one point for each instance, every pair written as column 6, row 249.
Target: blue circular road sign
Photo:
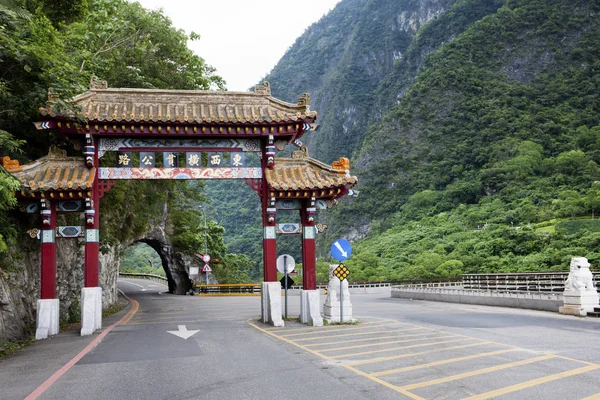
column 341, row 249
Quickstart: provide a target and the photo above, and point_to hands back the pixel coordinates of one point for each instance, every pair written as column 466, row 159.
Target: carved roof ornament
column 56, row 153
column 301, row 154
column 264, row 89
column 10, row 165
column 52, row 96
column 304, row 100
column 342, row 164
column 97, row 83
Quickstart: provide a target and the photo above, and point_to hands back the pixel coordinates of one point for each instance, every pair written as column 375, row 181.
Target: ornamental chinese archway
column 173, row 131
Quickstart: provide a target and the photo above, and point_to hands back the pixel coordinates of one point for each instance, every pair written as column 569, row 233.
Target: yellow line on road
column 382, row 359
column 314, row 329
column 344, row 335
column 364, row 340
column 396, row 348
column 477, row 372
column 358, row 372
column 384, row 343
column 535, row 382
column 593, row 397
column 338, row 328
column 442, row 362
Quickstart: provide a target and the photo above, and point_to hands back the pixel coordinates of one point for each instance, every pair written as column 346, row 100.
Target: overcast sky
column 242, row 39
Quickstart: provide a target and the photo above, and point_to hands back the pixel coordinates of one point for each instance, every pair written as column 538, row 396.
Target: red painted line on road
column 58, row 374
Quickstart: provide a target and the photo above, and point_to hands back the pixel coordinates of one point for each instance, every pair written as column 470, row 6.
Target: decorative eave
column 54, row 176
column 121, row 106
column 302, row 177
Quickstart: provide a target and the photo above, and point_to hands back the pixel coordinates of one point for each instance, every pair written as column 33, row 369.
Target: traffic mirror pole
column 286, row 283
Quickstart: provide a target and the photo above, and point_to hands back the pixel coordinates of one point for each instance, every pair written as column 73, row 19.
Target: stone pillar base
column 573, row 310
column 331, row 312
column 310, row 307
column 47, row 318
column 271, row 303
column 91, row 310
column 578, row 303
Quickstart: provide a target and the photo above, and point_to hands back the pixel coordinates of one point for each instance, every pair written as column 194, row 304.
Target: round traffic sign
column 285, row 262
column 205, row 258
column 341, row 249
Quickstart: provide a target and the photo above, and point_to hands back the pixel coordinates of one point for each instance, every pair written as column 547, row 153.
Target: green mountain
column 476, row 147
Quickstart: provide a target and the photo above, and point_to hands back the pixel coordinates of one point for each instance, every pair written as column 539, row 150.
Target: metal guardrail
column 152, row 277
column 523, row 282
column 520, row 282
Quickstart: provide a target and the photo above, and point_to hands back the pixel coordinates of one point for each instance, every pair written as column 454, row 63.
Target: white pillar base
column 579, row 303
column 47, row 318
column 91, row 310
column 310, row 307
column 271, row 303
column 331, row 313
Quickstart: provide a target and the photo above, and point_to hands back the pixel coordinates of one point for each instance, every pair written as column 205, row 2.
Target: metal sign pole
column 341, row 301
column 286, row 282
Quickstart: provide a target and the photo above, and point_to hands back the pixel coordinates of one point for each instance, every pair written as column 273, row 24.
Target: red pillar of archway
column 269, row 238
column 48, row 258
column 309, row 254
column 92, row 222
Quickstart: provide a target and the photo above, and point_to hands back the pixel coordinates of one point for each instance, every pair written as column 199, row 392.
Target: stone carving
column 580, row 278
column 580, row 295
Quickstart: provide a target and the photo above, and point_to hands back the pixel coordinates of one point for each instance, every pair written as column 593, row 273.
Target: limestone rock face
column 20, row 281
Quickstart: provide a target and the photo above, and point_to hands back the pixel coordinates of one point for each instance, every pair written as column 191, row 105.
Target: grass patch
column 8, row 348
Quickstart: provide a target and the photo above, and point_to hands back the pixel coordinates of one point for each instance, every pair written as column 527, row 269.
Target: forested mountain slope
column 497, row 137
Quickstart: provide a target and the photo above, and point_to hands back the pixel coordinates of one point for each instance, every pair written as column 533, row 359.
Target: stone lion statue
column 580, row 277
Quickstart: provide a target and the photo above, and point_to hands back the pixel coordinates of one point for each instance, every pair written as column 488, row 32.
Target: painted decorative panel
column 179, row 173
column 92, row 235
column 288, row 228
column 287, row 204
column 69, row 231
column 116, row 144
column 70, row 206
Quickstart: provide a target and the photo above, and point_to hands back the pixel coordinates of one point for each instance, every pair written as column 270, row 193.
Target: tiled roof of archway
column 302, row 173
column 184, row 106
column 55, row 172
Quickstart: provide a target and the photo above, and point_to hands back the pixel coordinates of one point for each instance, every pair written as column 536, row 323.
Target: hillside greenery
column 57, row 46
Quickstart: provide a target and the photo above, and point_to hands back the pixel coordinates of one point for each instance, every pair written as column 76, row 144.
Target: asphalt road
column 399, row 349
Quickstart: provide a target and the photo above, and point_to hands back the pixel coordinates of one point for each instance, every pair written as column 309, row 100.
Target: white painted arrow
column 183, row 332
column 339, row 247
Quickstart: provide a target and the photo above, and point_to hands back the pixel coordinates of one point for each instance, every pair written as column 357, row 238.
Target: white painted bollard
column 47, row 321
column 91, row 310
column 271, row 303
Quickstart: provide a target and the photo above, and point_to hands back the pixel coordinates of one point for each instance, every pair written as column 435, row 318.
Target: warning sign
column 206, row 268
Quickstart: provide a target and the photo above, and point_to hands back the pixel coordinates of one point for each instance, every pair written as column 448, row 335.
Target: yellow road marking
column 381, row 359
column 593, row 397
column 384, row 343
column 364, row 340
column 344, row 335
column 343, row 329
column 396, row 348
column 358, row 372
column 442, row 362
column 477, row 372
column 535, row 382
column 314, row 329
column 134, row 308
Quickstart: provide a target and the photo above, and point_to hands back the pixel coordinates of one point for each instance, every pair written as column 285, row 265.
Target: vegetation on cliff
column 46, row 45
